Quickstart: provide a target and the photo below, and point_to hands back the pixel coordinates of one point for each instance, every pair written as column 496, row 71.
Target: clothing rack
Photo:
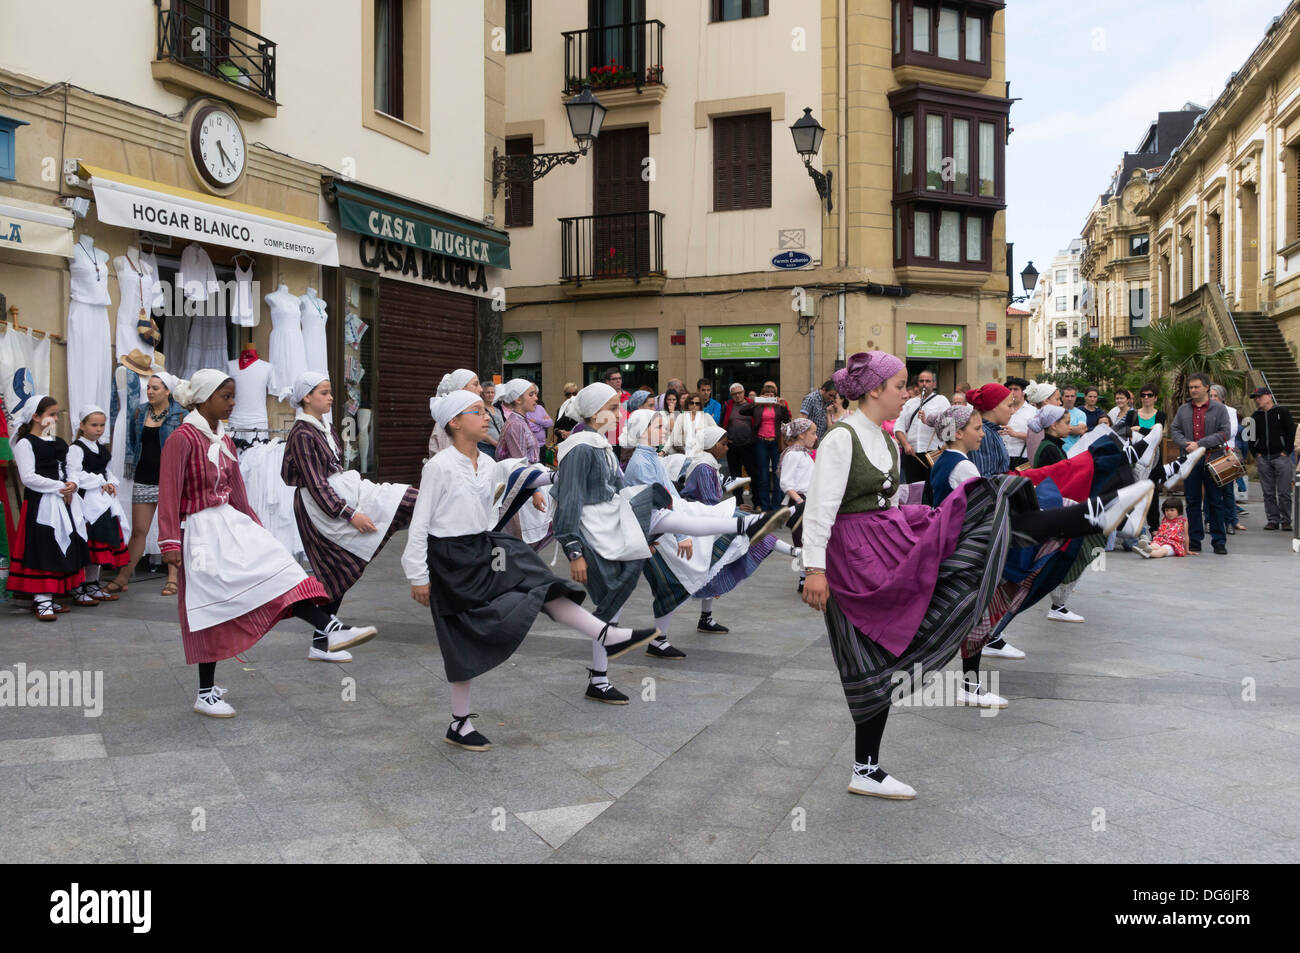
column 239, row 438
column 13, row 321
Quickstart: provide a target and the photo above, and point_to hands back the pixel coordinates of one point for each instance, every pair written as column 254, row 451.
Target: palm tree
column 1179, row 349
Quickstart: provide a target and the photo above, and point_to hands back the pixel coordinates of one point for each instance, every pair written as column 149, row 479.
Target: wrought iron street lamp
column 586, row 115
column 808, row 133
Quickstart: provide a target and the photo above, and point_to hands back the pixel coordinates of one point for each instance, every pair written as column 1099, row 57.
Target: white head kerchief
column 1045, row 417
column 87, row 411
column 28, row 410
column 199, row 387
column 1037, row 393
column 168, row 380
column 446, row 407
column 637, row 423
column 304, row 385
column 706, row 437
column 512, row 390
column 593, row 397
column 456, row 380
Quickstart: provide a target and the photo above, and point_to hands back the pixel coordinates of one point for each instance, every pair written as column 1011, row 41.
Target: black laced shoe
column 639, row 637
column 767, row 522
column 606, row 693
column 470, row 742
column 668, row 651
column 707, row 624
column 796, row 516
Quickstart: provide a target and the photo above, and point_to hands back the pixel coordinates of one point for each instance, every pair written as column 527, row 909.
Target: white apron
column 379, row 501
column 534, row 524
column 96, row 503
column 697, row 572
column 232, row 566
column 612, row 528
column 52, row 513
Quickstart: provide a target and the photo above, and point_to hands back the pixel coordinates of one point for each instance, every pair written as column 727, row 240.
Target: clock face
column 218, row 145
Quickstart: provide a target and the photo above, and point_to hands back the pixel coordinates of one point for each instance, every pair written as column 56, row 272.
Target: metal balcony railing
column 192, row 35
column 618, row 245
column 1130, row 344
column 608, row 57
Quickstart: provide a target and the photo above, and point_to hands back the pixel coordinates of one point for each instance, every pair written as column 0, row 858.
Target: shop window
column 742, row 162
column 519, row 26
column 529, row 372
column 951, row 36
column 737, row 9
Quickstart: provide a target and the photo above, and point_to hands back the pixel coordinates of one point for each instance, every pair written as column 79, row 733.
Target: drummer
column 343, row 520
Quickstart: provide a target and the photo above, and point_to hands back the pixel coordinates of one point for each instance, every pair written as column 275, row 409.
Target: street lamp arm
column 823, row 182
column 528, row 167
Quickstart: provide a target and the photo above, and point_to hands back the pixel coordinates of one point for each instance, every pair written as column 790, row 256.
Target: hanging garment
column 287, row 351
column 90, row 355
column 139, row 293
column 252, row 384
column 242, row 310
column 312, row 314
column 269, row 496
column 206, row 343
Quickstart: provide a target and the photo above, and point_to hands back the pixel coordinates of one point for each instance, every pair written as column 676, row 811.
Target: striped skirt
column 968, row 578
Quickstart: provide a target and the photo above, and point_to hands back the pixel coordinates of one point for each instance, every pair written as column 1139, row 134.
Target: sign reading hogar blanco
column 740, row 342
column 934, row 340
column 147, row 206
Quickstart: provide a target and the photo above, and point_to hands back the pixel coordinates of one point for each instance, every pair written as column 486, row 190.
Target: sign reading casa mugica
column 426, row 265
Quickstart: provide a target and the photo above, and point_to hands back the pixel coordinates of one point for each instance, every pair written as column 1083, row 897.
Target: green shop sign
column 934, row 340
column 370, row 212
column 512, row 348
column 622, row 344
column 740, row 342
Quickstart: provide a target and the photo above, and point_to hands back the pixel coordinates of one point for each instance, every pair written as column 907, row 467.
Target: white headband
column 304, row 385
column 448, row 406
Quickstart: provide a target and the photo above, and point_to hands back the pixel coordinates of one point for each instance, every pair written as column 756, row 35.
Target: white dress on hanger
column 312, row 313
column 136, row 283
column 90, row 349
column 242, row 310
column 252, row 384
column 288, row 351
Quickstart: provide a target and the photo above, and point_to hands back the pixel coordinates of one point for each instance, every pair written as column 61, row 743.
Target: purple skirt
column 883, row 566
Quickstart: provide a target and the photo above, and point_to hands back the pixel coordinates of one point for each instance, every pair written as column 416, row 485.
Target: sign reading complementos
column 740, row 342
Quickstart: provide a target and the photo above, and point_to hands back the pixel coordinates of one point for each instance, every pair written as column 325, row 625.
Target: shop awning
column 381, row 215
column 42, row 229
column 149, row 206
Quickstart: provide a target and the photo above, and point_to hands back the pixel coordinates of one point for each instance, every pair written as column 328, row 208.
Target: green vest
column 864, row 490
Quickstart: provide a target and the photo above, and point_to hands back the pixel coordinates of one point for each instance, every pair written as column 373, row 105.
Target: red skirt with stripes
column 106, row 544
column 37, row 565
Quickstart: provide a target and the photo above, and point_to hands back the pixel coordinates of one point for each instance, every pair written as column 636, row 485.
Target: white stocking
column 662, row 623
column 460, row 704
column 567, row 612
column 784, row 548
column 666, row 521
column 706, row 606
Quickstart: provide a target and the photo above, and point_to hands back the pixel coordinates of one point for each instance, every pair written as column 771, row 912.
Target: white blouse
column 796, row 472
column 963, row 471
column 25, row 459
column 829, row 477
column 455, row 500
column 84, row 480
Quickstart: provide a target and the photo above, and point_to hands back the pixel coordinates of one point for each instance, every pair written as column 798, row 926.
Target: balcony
column 623, row 63
column 1130, row 345
column 618, row 253
column 203, row 52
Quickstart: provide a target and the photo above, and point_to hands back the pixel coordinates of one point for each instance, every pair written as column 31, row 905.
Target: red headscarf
column 987, row 397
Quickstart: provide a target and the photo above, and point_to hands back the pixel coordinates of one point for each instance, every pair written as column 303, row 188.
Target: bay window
column 952, row 35
column 963, row 149
column 941, row 237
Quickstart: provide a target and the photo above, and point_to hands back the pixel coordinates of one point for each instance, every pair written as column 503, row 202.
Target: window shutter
column 742, row 162
column 519, row 198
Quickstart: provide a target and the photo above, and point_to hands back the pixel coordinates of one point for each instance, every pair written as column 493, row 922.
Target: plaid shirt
column 814, row 408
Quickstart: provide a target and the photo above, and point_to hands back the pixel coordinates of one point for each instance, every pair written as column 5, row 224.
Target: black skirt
column 485, row 591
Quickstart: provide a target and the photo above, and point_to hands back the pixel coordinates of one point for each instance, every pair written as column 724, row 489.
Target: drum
column 1226, row 468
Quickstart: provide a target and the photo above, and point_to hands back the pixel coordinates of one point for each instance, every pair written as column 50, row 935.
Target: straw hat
column 138, row 361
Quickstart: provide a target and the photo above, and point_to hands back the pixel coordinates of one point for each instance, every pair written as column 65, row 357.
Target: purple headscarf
column 865, row 371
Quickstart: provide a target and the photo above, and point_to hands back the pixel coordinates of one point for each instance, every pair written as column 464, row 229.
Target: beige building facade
column 1116, row 264
column 660, row 251
column 1225, row 213
column 342, row 155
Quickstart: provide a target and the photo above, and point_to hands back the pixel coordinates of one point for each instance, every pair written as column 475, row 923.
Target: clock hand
column 224, row 157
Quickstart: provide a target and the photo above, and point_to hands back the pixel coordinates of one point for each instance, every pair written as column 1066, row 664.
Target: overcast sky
column 1091, row 77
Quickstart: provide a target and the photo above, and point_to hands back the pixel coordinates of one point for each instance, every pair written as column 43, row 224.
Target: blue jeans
column 767, row 453
column 1199, row 488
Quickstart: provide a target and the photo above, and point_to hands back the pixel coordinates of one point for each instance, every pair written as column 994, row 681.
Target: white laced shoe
column 871, row 780
column 1107, row 517
column 1007, row 651
column 344, row 637
column 1063, row 614
column 980, row 697
column 1179, row 469
column 320, row 655
column 211, row 704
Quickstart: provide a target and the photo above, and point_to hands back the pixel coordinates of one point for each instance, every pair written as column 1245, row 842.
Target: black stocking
column 971, row 667
column 1063, row 522
column 866, row 742
column 312, row 614
column 207, row 676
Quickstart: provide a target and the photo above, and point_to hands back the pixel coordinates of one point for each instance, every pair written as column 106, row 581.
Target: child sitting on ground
column 1171, row 537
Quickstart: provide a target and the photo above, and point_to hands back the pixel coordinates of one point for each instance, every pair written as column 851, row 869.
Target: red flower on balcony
column 612, row 251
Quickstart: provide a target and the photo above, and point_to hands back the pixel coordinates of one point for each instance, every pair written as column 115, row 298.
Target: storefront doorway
column 751, row 374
